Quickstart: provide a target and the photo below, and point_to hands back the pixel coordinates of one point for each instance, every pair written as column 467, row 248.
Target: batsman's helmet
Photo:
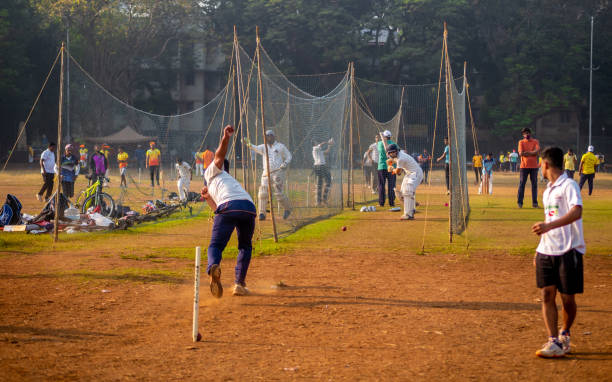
column 392, row 148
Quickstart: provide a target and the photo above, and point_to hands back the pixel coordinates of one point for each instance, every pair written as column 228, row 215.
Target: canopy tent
column 127, row 135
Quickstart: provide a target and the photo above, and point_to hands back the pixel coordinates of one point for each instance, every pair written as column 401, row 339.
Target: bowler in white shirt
column 234, row 209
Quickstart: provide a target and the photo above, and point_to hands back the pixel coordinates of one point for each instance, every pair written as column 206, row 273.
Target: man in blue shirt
column 383, row 174
column 486, row 180
column 446, row 156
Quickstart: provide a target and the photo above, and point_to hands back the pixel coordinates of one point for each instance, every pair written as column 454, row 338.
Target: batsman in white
column 413, row 177
column 183, row 170
column 233, row 208
column 280, row 157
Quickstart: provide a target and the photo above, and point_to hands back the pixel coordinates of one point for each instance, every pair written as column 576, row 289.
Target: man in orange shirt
column 207, row 158
column 528, row 149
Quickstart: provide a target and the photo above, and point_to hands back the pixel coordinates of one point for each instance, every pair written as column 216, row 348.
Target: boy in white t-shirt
column 233, row 208
column 558, row 258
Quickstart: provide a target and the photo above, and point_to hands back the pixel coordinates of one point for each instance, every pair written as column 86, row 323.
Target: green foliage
column 525, row 57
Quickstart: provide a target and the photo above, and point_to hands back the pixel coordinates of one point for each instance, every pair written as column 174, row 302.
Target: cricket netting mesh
column 309, row 114
column 304, row 123
column 459, row 199
column 97, row 117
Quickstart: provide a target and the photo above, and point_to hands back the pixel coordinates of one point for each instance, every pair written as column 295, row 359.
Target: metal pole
column 591, row 84
column 58, row 148
column 351, row 181
column 448, row 78
column 263, row 131
column 68, row 133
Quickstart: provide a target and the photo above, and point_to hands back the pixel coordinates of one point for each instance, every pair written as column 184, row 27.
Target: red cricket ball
column 344, row 228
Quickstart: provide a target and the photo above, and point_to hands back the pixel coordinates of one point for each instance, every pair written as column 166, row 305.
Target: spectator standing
column 486, row 180
column 47, row 169
column 528, row 149
column 569, row 163
column 513, row 157
column 424, row 161
column 83, row 154
column 69, row 169
column 371, row 165
column 122, row 159
column 153, row 160
column 587, row 168
column 384, row 176
column 446, row 156
column 140, row 155
column 477, row 164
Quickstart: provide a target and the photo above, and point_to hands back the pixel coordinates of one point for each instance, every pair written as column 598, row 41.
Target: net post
column 240, row 109
column 234, row 117
column 263, row 131
column 58, row 188
column 351, row 183
column 447, row 87
column 196, row 294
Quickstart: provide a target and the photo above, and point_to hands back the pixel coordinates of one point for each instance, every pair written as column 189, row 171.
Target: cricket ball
column 445, row 204
column 199, row 337
column 344, row 228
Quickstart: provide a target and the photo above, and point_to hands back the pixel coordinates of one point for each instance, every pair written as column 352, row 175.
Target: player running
column 412, row 179
column 233, row 208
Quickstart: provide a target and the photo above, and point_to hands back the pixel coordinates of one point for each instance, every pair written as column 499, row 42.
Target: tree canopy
column 525, row 57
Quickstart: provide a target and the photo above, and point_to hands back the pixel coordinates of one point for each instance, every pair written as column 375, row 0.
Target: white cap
column 387, row 134
column 591, row 149
column 270, row 132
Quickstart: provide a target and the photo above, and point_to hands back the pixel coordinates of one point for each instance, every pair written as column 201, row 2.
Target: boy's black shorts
column 563, row 271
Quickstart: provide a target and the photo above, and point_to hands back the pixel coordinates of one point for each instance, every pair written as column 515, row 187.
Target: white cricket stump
column 196, row 293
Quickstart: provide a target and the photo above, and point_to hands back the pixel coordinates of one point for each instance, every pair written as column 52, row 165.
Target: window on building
column 190, row 78
column 564, row 117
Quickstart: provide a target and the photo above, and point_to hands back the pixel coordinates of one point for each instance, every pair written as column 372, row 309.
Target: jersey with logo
column 153, row 156
column 122, row 158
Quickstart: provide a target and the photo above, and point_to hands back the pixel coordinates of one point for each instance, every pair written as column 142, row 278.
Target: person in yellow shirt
column 153, row 161
column 502, row 161
column 83, row 156
column 569, row 163
column 477, row 164
column 587, row 168
column 122, row 158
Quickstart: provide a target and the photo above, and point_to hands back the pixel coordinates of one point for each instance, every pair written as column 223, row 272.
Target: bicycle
column 93, row 196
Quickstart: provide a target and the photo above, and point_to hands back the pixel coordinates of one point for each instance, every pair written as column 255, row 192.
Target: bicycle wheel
column 104, row 200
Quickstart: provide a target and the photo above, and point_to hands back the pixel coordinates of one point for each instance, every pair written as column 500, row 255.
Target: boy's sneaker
column 551, row 349
column 286, row 214
column 564, row 338
column 407, row 217
column 262, row 217
column 240, row 290
column 39, row 197
column 215, row 281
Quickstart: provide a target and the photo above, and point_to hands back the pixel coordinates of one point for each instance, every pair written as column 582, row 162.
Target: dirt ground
column 348, row 311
